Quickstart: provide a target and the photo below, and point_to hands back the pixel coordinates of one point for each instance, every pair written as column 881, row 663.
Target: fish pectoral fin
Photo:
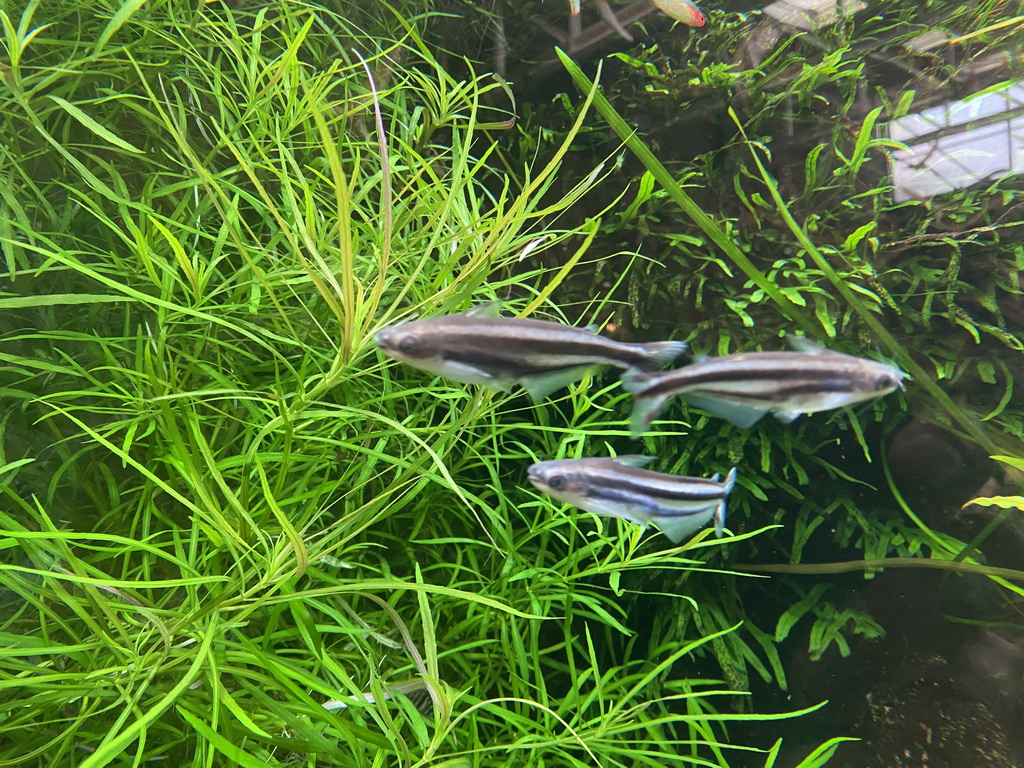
column 542, row 385
column 744, row 416
column 678, row 527
column 469, row 374
column 485, row 309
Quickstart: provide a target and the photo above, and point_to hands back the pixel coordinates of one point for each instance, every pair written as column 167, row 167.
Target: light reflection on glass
column 959, row 143
column 812, row 14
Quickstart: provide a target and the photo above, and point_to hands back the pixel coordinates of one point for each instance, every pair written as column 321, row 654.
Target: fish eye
column 885, row 381
column 408, row 344
column 556, row 482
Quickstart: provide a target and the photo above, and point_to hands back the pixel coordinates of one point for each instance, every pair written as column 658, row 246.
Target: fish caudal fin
column 720, row 519
column 661, row 353
column 730, row 481
column 634, row 381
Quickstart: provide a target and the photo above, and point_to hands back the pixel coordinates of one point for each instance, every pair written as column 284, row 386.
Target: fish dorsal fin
column 593, row 327
column 633, row 460
column 805, row 345
column 485, row 309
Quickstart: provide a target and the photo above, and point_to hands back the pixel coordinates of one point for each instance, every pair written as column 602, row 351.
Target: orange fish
column 682, row 10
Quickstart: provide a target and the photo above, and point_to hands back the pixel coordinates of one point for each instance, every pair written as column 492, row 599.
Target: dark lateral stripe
column 519, row 354
column 535, row 338
column 510, row 365
column 696, row 377
column 655, row 505
column 776, row 394
column 667, row 487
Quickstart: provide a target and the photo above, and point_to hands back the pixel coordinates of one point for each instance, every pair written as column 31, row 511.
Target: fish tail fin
column 720, row 519
column 634, row 380
column 730, row 481
column 661, row 353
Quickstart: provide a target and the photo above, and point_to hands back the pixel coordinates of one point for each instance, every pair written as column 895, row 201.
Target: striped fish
column 498, row 352
column 618, row 487
column 744, row 387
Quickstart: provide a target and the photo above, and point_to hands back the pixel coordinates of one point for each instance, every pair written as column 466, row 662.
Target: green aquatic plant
column 234, row 532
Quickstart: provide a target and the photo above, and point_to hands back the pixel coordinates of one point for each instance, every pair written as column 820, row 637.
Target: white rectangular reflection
column 958, row 144
column 812, row 14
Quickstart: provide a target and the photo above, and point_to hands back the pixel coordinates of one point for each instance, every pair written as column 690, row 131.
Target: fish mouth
column 383, row 339
column 534, row 476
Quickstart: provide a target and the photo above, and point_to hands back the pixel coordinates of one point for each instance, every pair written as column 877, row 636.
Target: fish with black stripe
column 619, row 487
column 744, row 387
column 476, row 347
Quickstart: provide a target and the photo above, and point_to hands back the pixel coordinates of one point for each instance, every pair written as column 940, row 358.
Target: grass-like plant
column 233, row 534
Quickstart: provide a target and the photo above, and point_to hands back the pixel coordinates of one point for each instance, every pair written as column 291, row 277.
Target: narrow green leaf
column 864, row 138
column 820, row 756
column 235, row 754
column 58, row 299
column 859, row 234
column 1003, row 502
column 118, row 20
column 1014, row 461
column 93, row 126
column 796, row 612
